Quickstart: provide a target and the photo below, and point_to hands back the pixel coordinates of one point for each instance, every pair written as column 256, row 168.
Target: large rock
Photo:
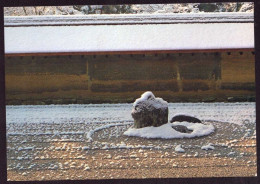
column 149, row 111
column 187, row 118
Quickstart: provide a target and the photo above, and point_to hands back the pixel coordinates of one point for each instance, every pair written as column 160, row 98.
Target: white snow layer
column 94, row 38
column 144, row 97
column 238, row 113
column 149, row 95
column 167, row 132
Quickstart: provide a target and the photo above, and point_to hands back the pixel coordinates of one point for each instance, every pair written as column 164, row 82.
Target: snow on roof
column 128, row 37
column 167, row 18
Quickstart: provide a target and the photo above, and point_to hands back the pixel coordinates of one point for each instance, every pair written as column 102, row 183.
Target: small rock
column 87, row 168
column 231, row 153
column 133, row 156
column 140, row 151
column 179, row 149
column 187, row 118
column 181, row 128
column 174, row 165
column 196, row 154
column 208, row 147
column 118, row 157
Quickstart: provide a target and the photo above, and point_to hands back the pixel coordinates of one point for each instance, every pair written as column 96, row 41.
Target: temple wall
column 176, row 77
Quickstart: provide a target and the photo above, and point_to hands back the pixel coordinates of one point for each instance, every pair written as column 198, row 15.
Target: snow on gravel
column 80, row 122
column 103, row 127
column 167, row 132
column 91, row 113
column 238, row 113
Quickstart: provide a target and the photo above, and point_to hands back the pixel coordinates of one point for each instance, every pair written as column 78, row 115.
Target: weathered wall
column 176, row 77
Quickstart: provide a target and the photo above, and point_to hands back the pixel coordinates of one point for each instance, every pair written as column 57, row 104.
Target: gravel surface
column 87, row 142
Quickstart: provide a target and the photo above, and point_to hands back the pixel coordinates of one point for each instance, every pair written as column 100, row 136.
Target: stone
column 187, row 118
column 181, row 128
column 149, row 111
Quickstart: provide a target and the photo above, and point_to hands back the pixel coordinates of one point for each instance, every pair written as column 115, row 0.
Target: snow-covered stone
column 179, row 149
column 208, row 147
column 149, row 111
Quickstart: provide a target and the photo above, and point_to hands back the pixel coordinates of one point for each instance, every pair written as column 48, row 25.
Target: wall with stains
column 176, row 77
